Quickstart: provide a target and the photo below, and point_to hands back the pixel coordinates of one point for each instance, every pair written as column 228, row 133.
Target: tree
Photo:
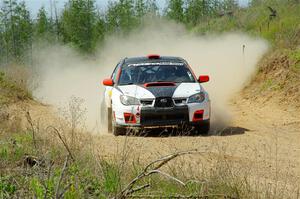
column 77, row 23
column 99, row 30
column 121, row 16
column 140, row 8
column 195, row 11
column 175, row 10
column 151, row 7
column 42, row 23
column 17, row 29
column 230, row 5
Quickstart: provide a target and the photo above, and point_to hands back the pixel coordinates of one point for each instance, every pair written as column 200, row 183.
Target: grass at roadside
column 12, row 90
column 44, row 163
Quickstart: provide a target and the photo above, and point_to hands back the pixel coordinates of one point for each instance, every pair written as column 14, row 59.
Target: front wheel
column 111, row 127
column 117, row 131
column 203, row 128
column 109, row 120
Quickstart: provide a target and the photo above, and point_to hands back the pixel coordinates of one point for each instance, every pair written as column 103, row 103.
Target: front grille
column 147, row 102
column 152, row 116
column 164, row 102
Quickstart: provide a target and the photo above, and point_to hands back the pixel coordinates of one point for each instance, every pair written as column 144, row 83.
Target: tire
column 117, row 131
column 111, row 128
column 109, row 120
column 103, row 113
column 203, row 129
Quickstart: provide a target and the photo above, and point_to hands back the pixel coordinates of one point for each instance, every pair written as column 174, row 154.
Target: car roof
column 161, row 59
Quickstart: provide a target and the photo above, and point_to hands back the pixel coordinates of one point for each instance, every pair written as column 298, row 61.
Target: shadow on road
column 229, row 131
column 173, row 132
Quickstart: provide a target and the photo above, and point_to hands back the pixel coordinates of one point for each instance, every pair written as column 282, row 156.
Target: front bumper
column 150, row 116
column 187, row 126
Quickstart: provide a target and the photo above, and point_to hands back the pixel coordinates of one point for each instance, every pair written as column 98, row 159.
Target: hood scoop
column 157, row 84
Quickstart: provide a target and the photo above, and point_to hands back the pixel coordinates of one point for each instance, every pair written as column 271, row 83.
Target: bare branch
column 56, row 131
column 139, row 188
column 57, row 195
column 168, row 176
column 29, row 120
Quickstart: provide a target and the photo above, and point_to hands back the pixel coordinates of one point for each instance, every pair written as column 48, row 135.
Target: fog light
column 129, row 118
column 198, row 115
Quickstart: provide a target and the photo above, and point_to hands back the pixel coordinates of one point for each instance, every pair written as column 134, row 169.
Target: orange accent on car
column 203, row 78
column 108, row 82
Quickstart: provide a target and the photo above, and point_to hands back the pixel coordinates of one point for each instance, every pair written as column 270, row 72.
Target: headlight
column 127, row 100
column 197, row 98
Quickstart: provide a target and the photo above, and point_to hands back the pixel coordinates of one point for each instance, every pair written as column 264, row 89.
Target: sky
column 35, row 5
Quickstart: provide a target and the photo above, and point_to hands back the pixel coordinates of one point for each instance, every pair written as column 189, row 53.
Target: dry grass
column 63, row 161
column 15, row 84
column 57, row 162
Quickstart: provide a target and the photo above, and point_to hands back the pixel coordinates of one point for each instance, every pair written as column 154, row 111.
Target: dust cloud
column 229, row 59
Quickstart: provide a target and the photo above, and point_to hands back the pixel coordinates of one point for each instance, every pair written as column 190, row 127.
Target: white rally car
column 155, row 92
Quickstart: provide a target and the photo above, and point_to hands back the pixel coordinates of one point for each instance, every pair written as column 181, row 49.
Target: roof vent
column 151, row 84
column 153, row 56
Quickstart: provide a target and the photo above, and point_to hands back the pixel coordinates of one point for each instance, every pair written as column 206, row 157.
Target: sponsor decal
column 157, row 63
column 164, row 100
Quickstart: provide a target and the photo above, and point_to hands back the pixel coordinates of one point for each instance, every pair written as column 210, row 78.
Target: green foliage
column 270, row 84
column 11, row 91
column 83, row 26
column 175, row 10
column 105, row 179
column 3, row 153
column 16, row 29
column 43, row 25
column 111, row 178
column 7, row 188
column 77, row 23
column 80, row 24
column 281, row 30
column 15, row 148
column 294, row 55
column 37, row 188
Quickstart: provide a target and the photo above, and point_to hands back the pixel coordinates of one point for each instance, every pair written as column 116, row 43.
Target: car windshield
column 141, row 74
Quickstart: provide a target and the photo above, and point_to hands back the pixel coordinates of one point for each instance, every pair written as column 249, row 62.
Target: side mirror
column 108, row 82
column 203, row 78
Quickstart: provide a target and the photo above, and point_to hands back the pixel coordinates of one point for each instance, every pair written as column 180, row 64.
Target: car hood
column 180, row 90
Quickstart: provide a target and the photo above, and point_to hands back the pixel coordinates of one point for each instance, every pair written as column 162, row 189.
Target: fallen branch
column 151, row 169
column 139, row 188
column 185, row 197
